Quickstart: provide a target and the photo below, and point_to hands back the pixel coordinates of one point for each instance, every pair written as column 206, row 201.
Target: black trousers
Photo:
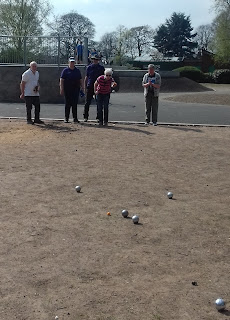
column 71, row 100
column 30, row 101
column 88, row 99
column 103, row 104
column 151, row 105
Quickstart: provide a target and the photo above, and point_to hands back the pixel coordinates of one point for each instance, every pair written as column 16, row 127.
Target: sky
column 106, row 15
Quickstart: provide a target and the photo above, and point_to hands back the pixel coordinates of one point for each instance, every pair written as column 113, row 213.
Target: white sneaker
column 146, row 123
column 154, row 123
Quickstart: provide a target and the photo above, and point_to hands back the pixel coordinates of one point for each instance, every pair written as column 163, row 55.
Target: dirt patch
column 214, row 98
column 131, row 84
column 182, row 85
column 62, row 255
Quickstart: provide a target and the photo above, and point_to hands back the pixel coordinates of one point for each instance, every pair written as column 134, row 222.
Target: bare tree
column 108, row 44
column 73, row 25
column 142, row 38
column 205, row 36
column 221, row 5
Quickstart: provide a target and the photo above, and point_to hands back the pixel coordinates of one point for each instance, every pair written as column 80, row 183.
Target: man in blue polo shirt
column 70, row 85
column 93, row 71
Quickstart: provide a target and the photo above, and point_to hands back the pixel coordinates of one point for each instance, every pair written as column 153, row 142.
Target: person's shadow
column 59, row 127
column 126, row 127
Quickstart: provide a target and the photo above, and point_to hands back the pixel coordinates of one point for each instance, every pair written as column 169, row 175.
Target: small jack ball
column 135, row 219
column 78, row 189
column 125, row 213
column 220, row 304
column 170, row 195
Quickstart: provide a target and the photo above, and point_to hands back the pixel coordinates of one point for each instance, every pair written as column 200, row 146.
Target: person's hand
column 61, row 91
column 114, row 85
column 22, row 96
column 96, row 93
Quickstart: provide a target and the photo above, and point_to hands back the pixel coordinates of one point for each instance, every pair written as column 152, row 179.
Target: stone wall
column 10, row 78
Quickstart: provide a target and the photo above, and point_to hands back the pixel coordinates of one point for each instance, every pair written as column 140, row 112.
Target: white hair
column 33, row 62
column 108, row 71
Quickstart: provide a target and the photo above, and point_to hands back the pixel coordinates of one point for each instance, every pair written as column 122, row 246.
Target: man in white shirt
column 30, row 92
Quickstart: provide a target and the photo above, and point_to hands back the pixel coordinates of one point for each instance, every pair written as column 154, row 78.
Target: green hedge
column 192, row 73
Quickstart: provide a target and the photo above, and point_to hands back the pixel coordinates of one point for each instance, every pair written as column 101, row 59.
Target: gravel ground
column 62, row 255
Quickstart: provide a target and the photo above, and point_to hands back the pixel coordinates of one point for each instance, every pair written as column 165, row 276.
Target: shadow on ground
column 186, row 129
column 58, row 128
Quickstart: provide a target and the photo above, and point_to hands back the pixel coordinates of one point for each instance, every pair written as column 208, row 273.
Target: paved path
column 130, row 107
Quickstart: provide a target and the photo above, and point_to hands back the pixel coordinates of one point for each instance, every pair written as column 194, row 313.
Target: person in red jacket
column 102, row 88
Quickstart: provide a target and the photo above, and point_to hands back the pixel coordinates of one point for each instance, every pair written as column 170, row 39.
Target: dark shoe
column 100, row 123
column 76, row 121
column 85, row 120
column 106, row 124
column 30, row 122
column 38, row 121
column 66, row 120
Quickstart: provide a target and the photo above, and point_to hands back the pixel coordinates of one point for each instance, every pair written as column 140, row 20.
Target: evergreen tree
column 175, row 36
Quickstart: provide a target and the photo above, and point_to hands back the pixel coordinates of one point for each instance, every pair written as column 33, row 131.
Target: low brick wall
column 10, row 78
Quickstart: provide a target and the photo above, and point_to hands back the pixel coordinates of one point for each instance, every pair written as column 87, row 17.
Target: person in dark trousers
column 151, row 83
column 30, row 92
column 102, row 88
column 93, row 71
column 70, row 85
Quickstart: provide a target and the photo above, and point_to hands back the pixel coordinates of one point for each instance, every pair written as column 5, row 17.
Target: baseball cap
column 71, row 59
column 95, row 56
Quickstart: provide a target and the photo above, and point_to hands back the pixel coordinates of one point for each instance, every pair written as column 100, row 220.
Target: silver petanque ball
column 170, row 195
column 135, row 219
column 220, row 304
column 78, row 189
column 125, row 213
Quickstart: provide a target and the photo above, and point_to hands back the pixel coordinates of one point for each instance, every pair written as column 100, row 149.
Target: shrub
column 192, row 73
column 208, row 78
column 221, row 76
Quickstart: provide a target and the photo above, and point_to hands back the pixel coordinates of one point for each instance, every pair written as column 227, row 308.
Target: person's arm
column 144, row 84
column 22, row 87
column 81, row 85
column 95, row 87
column 114, row 84
column 85, row 83
column 62, row 86
column 158, row 84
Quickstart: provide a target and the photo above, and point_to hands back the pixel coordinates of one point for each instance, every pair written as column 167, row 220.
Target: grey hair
column 151, row 66
column 108, row 71
column 33, row 62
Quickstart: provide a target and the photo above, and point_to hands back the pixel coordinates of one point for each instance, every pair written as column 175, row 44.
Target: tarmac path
column 130, row 107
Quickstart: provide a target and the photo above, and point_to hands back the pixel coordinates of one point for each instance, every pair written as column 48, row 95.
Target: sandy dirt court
column 62, row 255
column 206, row 98
column 219, row 96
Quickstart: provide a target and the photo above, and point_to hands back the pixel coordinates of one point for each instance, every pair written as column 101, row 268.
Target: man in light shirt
column 151, row 84
column 30, row 92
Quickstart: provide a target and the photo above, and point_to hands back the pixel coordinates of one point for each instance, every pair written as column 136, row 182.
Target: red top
column 104, row 84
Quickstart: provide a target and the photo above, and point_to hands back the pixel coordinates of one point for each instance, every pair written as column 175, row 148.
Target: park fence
column 47, row 50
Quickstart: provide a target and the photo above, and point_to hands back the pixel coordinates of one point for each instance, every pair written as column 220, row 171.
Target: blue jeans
column 103, row 103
